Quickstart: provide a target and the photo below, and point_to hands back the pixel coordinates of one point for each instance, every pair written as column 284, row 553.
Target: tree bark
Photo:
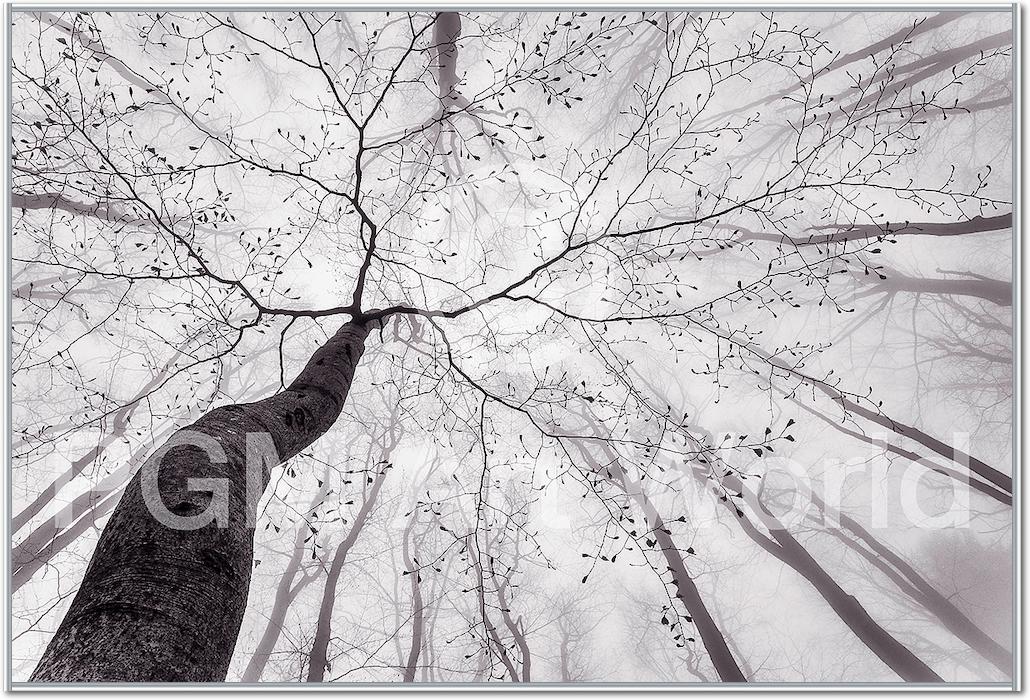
column 162, row 604
column 53, row 535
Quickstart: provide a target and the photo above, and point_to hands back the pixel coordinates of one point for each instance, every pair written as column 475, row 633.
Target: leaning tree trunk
column 976, row 466
column 687, row 591
column 164, row 604
column 119, row 426
column 286, row 592
column 53, row 536
column 909, row 581
column 785, row 547
column 49, row 539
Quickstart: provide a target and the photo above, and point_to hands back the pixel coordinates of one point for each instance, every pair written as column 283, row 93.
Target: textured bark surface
column 52, row 536
column 160, row 604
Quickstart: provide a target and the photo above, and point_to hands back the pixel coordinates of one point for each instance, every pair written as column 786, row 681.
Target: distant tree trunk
column 77, row 466
column 922, row 591
column 967, row 478
column 285, row 593
column 417, row 606
column 687, row 591
column 563, row 659
column 483, row 667
column 47, row 540
column 119, row 425
column 491, row 629
column 785, row 547
column 976, row 286
column 428, row 656
column 977, row 466
column 711, row 636
column 446, row 32
column 318, row 660
column 53, row 535
column 518, row 632
column 161, row 604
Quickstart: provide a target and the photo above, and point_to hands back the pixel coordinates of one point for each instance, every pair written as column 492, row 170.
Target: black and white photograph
column 544, row 347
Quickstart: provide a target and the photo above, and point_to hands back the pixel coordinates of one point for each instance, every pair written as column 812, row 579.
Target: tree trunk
column 785, row 547
column 923, row 592
column 318, row 660
column 446, row 32
column 967, row 478
column 417, row 606
column 711, row 636
column 163, row 604
column 788, row 550
column 57, row 532
column 518, row 632
column 491, row 629
column 993, row 290
column 36, row 550
column 120, row 419
column 977, row 466
column 687, row 591
column 285, row 593
column 563, row 657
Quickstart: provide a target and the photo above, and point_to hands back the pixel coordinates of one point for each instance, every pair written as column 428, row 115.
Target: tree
column 263, row 219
